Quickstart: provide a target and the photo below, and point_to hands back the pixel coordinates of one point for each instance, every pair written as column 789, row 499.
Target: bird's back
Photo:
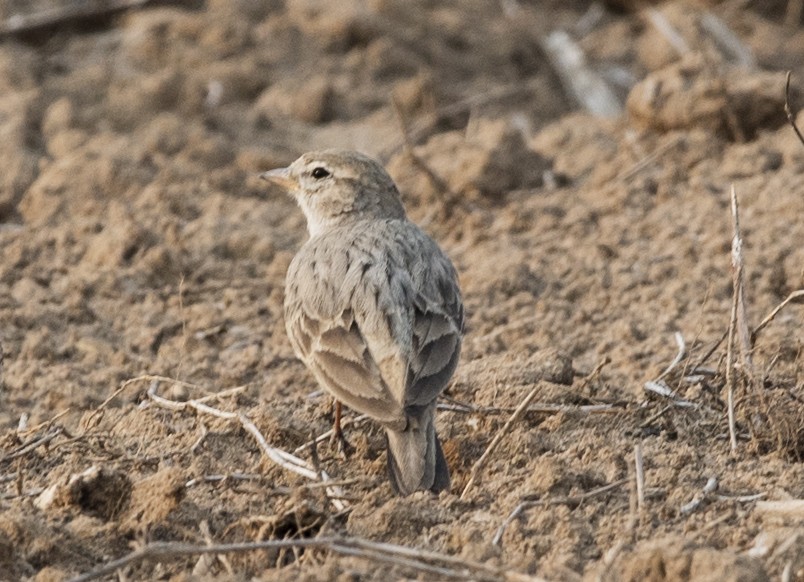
column 389, row 298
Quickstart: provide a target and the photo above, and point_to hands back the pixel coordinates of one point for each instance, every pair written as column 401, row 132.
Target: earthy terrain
column 141, row 259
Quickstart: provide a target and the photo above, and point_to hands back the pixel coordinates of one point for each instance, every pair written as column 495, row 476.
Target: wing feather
column 384, row 336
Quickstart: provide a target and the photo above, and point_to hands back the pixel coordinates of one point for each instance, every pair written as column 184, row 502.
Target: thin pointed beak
column 281, row 177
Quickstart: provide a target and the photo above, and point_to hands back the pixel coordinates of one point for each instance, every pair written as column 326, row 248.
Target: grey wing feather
column 327, row 338
column 437, row 330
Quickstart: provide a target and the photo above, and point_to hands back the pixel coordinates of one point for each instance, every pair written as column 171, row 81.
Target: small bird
column 373, row 307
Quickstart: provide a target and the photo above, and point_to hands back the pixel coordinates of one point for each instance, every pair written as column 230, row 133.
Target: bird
column 373, row 307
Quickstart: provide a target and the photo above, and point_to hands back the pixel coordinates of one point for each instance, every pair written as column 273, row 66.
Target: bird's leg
column 344, row 448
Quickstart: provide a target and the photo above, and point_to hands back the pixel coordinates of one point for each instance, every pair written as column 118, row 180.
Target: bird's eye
column 320, row 172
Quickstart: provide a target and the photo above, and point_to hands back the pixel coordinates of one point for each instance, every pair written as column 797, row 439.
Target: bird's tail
column 415, row 459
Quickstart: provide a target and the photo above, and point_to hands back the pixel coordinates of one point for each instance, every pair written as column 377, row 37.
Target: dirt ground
column 136, row 241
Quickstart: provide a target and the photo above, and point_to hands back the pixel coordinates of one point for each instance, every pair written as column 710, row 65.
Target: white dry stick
column 682, row 351
column 69, row 12
column 572, row 500
column 282, row 458
column 444, row 565
column 588, row 88
column 729, row 43
column 660, row 387
column 736, row 261
column 743, row 329
column 770, row 317
column 640, row 477
column 671, row 35
column 711, row 486
column 496, row 441
column 790, row 508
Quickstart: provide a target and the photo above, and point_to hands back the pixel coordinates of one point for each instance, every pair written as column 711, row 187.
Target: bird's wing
column 416, row 341
column 327, row 337
column 437, row 330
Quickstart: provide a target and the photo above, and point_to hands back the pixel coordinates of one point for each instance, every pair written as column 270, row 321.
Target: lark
column 373, row 307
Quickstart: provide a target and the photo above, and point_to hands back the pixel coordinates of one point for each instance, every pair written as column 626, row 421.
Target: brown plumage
column 372, row 307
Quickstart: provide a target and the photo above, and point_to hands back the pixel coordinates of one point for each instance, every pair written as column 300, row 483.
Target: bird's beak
column 281, row 177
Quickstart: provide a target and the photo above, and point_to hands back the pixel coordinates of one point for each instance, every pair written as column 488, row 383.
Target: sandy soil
column 135, row 239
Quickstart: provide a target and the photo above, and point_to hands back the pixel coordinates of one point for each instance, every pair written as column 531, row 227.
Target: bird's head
column 335, row 187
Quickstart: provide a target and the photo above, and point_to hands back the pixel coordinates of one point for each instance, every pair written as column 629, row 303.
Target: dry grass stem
column 741, row 498
column 709, row 488
column 46, row 424
column 790, row 508
column 156, row 378
column 660, row 387
column 481, row 462
column 572, row 501
column 790, row 117
column 23, row 450
column 682, row 350
column 419, row 560
column 772, row 315
column 649, row 159
column 585, row 85
column 670, row 34
column 540, row 408
column 738, row 265
column 737, row 276
column 282, row 458
column 727, row 42
column 71, row 12
column 640, row 477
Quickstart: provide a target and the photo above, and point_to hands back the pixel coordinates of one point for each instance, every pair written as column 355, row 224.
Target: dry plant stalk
column 481, row 462
column 737, row 314
column 70, row 12
column 573, row 500
column 639, row 468
column 282, row 458
column 790, row 118
column 434, row 563
column 772, row 315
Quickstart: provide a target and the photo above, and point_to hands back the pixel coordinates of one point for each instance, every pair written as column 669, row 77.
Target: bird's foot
column 338, row 442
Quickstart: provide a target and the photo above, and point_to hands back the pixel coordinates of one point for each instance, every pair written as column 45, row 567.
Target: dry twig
column 792, row 508
column 772, row 315
column 738, row 326
column 728, row 43
column 70, row 12
column 660, row 387
column 711, row 486
column 640, row 477
column 788, row 111
column 496, row 441
column 155, row 378
column 26, row 448
column 572, row 501
column 282, row 458
column 585, row 85
column 539, row 408
column 429, row 562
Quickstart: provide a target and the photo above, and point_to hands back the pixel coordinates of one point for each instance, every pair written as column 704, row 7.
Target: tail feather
column 415, row 458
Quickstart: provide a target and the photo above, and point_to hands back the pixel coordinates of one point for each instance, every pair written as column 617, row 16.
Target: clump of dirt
column 141, row 256
column 95, row 492
column 153, row 499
